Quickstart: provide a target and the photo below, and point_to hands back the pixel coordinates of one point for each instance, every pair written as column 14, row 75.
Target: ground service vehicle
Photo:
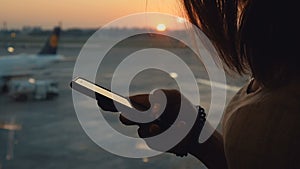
column 22, row 90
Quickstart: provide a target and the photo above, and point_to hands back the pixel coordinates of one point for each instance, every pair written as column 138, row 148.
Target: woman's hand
column 165, row 116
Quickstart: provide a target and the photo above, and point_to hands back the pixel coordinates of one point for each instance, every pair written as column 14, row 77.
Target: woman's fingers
column 140, row 102
column 106, row 104
column 126, row 121
column 149, row 130
column 163, row 117
column 154, row 129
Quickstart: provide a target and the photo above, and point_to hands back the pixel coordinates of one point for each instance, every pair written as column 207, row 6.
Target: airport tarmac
column 50, row 136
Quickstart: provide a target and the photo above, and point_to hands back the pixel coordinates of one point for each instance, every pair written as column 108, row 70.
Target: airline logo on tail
column 50, row 47
column 53, row 41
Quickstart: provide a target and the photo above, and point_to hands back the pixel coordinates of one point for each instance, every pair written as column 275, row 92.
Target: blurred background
column 39, row 43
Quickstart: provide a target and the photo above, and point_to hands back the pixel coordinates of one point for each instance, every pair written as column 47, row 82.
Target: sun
column 161, row 27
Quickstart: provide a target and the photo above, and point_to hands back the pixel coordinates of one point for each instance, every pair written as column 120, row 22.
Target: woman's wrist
column 211, row 152
column 198, row 150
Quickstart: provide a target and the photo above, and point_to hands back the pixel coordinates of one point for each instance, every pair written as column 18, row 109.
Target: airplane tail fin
column 51, row 45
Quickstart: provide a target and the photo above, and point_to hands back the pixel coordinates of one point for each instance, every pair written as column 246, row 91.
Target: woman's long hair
column 257, row 37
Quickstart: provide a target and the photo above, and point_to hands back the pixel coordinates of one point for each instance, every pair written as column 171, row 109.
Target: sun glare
column 161, row 27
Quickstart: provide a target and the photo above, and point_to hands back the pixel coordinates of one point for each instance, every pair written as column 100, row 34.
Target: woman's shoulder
column 285, row 98
column 262, row 121
column 263, row 104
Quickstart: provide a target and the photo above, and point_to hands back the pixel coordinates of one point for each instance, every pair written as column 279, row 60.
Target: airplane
column 22, row 65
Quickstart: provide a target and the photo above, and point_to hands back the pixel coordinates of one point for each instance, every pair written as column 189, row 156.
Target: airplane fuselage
column 23, row 64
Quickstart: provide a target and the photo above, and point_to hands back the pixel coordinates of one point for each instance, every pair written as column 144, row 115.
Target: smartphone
column 98, row 92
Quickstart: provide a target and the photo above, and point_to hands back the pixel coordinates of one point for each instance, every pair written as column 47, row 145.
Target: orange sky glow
column 77, row 13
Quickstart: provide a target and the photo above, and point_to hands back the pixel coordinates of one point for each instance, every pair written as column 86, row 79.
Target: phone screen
column 100, row 90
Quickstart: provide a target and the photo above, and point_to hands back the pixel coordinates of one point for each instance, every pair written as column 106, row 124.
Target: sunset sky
column 77, row 13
